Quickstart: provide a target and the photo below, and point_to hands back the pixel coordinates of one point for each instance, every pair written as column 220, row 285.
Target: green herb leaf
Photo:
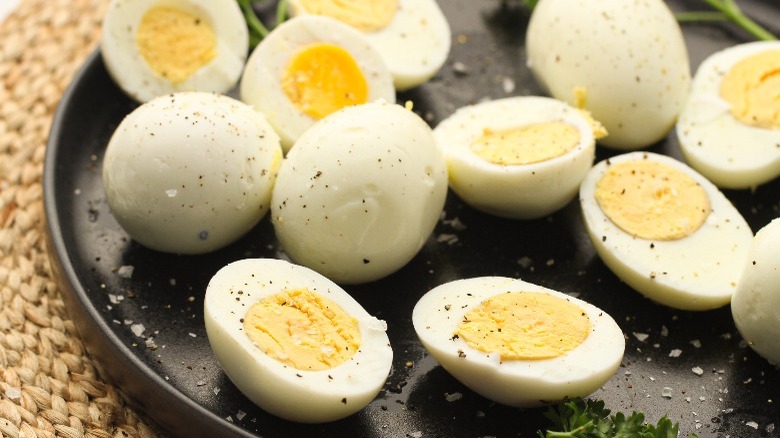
column 727, row 10
column 257, row 29
column 577, row 418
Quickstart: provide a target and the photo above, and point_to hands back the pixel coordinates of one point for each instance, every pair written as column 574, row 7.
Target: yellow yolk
column 367, row 16
column 652, row 201
column 752, row 87
column 526, row 144
column 303, row 330
column 525, row 325
column 323, row 78
column 174, row 43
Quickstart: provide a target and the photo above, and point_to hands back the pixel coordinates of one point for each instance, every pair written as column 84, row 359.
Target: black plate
column 170, row 372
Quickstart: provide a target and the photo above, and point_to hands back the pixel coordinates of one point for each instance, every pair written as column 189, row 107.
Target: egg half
column 293, row 342
column 518, row 157
column 412, row 36
column 360, row 192
column 624, row 61
column 190, row 172
column 309, row 67
column 517, row 343
column 755, row 305
column 154, row 47
column 665, row 230
column 729, row 129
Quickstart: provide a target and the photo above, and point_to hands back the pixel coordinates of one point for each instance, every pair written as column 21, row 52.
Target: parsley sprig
column 727, row 10
column 257, row 29
column 577, row 418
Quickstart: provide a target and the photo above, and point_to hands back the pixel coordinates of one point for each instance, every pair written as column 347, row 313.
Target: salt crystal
column 125, row 271
column 525, row 262
column 752, row 424
column 200, row 383
column 666, row 392
column 216, row 391
column 675, row 353
column 137, row 329
column 696, row 343
column 460, row 68
column 770, row 427
column 697, row 370
column 193, row 335
column 664, row 331
column 641, row 337
column 240, row 415
column 508, row 84
column 453, row 397
column 416, row 434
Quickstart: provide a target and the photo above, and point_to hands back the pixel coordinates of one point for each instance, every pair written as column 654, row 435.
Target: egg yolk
column 524, row 325
column 323, row 78
column 303, row 330
column 752, row 87
column 526, row 144
column 367, row 16
column 174, row 43
column 652, row 200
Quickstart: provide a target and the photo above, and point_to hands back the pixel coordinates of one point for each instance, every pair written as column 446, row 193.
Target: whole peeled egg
column 665, row 230
column 156, row 47
column 190, row 172
column 412, row 36
column 729, row 129
column 625, row 61
column 294, row 342
column 755, row 305
column 518, row 343
column 360, row 192
column 518, row 157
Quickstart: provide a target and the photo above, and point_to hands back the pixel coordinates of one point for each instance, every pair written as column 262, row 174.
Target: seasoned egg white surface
column 412, row 36
column 190, row 172
column 294, row 342
column 156, row 47
column 309, row 67
column 360, row 192
column 518, row 343
column 665, row 230
column 624, row 61
column 729, row 129
column 755, row 305
column 518, row 157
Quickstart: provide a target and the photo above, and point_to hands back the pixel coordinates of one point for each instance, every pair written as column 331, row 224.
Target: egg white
column 629, row 57
column 414, row 45
column 295, row 395
column 725, row 150
column 261, row 81
column 127, row 67
column 525, row 191
column 190, row 172
column 520, row 383
column 697, row 272
column 755, row 305
column 360, row 192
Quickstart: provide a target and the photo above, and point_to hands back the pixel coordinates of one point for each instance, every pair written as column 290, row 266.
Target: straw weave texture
column 49, row 385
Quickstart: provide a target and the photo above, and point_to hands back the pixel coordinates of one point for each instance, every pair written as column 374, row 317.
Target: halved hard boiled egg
column 729, row 129
column 360, row 192
column 518, row 157
column 309, row 67
column 412, row 36
column 155, row 47
column 190, row 172
column 517, row 343
column 665, row 230
column 294, row 342
column 755, row 305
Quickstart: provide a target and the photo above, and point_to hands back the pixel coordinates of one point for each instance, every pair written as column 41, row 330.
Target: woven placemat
column 49, row 384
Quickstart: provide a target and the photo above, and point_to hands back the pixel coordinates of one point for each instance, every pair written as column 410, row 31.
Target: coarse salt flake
column 641, row 337
column 675, row 353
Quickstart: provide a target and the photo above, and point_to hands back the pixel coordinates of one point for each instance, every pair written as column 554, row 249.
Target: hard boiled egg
column 756, row 301
column 412, row 36
column 360, row 192
column 155, row 47
column 665, row 230
column 309, row 67
column 293, row 342
column 190, row 172
column 517, row 343
column 518, row 157
column 729, row 129
column 624, row 61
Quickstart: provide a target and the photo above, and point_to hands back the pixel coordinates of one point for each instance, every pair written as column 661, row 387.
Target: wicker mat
column 49, row 384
